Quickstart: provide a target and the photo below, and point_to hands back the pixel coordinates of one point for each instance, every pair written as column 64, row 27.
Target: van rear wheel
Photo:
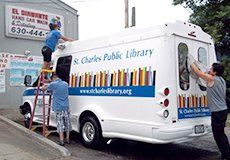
column 91, row 133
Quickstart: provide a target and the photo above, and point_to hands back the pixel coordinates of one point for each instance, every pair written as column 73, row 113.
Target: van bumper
column 178, row 134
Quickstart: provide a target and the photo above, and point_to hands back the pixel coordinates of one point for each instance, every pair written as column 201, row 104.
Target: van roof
column 182, row 29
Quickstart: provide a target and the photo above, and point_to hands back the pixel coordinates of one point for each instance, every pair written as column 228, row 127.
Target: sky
column 104, row 17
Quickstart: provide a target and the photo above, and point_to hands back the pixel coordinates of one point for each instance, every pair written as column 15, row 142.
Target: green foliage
column 214, row 17
column 226, row 62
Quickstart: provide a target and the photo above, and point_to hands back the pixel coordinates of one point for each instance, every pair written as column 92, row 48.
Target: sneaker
column 67, row 141
column 61, row 143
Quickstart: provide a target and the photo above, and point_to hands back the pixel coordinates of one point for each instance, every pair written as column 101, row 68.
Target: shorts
column 46, row 52
column 63, row 121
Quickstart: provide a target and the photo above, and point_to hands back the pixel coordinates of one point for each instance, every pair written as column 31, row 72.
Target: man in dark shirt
column 216, row 95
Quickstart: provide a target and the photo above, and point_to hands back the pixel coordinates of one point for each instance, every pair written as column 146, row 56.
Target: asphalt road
column 199, row 149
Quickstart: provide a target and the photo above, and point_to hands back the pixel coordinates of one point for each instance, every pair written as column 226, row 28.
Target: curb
column 38, row 137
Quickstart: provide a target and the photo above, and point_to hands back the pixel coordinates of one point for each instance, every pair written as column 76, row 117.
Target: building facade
column 24, row 25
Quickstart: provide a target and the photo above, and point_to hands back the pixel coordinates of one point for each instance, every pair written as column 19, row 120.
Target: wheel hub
column 88, row 131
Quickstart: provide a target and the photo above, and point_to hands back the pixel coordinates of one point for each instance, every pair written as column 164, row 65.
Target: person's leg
column 61, row 138
column 60, row 127
column 67, row 137
column 46, row 65
column 68, row 126
column 47, row 53
column 218, row 124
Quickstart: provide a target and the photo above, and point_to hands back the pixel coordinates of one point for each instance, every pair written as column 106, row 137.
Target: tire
column 27, row 120
column 26, row 112
column 91, row 132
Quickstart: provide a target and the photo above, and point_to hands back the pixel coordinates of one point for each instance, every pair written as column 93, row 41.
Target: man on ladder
column 60, row 106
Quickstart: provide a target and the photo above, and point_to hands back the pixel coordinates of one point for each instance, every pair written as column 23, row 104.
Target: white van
column 135, row 85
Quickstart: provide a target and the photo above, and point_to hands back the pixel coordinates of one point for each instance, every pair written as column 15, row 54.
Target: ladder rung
column 47, row 105
column 34, row 127
column 39, row 115
column 51, row 131
column 38, row 125
column 46, row 93
column 47, row 70
column 47, row 133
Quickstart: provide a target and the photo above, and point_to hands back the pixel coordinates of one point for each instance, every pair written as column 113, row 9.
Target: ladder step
column 39, row 125
column 47, row 133
column 51, row 131
column 35, row 127
column 47, row 106
column 38, row 115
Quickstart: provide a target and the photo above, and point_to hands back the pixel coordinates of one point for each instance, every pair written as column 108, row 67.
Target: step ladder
column 46, row 107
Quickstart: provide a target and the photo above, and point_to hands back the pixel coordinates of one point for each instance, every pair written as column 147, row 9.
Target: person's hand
column 61, row 46
column 190, row 59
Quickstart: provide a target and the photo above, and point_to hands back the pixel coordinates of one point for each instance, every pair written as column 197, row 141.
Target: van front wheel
column 91, row 132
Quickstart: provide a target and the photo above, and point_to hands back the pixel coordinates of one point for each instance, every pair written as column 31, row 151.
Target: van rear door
column 191, row 97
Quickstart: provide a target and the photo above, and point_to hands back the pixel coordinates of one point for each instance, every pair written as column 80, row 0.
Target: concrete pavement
column 19, row 143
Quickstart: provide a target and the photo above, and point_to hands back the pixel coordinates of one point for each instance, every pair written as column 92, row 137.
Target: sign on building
column 28, row 23
column 21, row 65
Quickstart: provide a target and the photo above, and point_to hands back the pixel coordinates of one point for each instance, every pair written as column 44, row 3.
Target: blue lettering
column 75, row 61
column 113, row 56
column 133, row 53
column 87, row 59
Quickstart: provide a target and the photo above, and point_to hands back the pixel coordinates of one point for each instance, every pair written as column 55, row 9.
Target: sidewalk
column 22, row 144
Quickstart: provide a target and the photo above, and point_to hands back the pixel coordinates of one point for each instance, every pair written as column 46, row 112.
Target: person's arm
column 66, row 38
column 182, row 68
column 48, row 87
column 207, row 77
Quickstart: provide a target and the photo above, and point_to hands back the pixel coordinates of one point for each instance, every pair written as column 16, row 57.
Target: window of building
column 63, row 68
column 183, row 71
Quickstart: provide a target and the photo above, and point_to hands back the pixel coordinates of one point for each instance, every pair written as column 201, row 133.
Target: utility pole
column 126, row 13
column 133, row 17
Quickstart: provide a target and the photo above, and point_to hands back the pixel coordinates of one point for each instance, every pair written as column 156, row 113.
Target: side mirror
column 27, row 80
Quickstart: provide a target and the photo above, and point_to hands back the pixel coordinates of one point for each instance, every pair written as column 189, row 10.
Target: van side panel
column 122, row 82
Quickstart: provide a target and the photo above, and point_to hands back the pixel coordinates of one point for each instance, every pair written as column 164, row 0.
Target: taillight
column 166, row 91
column 166, row 102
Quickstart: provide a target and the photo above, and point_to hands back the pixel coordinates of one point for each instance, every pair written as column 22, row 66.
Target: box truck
column 136, row 85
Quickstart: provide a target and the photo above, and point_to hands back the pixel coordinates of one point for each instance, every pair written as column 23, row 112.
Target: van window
column 63, row 68
column 202, row 58
column 183, row 71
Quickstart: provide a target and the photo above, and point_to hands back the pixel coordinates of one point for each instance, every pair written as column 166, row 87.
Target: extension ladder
column 45, row 106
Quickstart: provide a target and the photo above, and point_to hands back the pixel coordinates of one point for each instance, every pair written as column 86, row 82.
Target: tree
column 214, row 17
column 226, row 62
